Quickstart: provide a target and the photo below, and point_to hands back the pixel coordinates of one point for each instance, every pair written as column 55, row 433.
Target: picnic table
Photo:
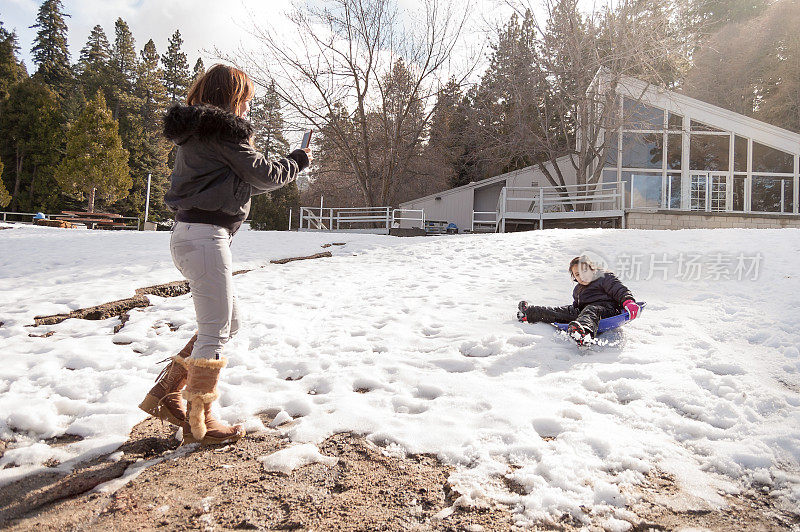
column 95, row 220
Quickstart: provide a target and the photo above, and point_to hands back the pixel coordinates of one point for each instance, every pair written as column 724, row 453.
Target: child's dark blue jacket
column 605, row 289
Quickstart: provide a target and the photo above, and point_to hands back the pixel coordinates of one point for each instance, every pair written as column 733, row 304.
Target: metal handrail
column 544, row 199
column 420, row 218
column 493, row 222
column 332, row 218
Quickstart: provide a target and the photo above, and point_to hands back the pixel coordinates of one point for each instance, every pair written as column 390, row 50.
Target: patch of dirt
column 224, row 488
column 333, row 244
column 227, row 488
column 322, row 255
column 173, row 289
column 48, row 334
column 98, row 312
column 663, row 506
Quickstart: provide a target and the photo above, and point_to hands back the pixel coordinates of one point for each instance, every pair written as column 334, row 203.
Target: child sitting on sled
column 598, row 294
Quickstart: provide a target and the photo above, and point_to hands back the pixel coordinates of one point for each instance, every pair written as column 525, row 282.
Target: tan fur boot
column 164, row 399
column 200, row 392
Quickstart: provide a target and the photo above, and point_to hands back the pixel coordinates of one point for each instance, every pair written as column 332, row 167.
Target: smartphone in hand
column 306, row 139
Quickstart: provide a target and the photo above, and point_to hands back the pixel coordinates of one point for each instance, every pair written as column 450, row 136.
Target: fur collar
column 206, row 122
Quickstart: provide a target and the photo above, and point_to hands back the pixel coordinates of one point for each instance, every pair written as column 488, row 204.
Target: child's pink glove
column 632, row 308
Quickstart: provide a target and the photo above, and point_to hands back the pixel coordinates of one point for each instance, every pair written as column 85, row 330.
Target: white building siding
column 454, row 206
column 457, row 205
column 486, row 197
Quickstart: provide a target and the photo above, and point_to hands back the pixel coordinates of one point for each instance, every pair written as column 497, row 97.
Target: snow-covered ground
column 414, row 343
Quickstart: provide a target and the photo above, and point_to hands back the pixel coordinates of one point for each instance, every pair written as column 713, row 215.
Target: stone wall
column 662, row 219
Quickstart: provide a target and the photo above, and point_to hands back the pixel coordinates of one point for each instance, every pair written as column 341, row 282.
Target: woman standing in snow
column 216, row 172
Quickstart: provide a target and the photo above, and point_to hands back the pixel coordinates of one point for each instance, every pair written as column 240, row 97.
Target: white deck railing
column 568, row 201
column 355, row 219
column 485, row 221
column 408, row 215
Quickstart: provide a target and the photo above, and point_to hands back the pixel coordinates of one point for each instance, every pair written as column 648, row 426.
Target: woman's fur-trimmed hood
column 206, row 122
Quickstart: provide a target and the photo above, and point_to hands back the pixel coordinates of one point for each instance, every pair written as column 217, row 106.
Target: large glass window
column 697, row 192
column 674, row 191
column 708, row 191
column 709, row 152
column 642, row 150
column 772, row 194
column 739, row 154
column 717, row 173
column 674, row 151
column 638, row 115
column 718, row 193
column 738, row 192
column 645, row 189
column 766, row 159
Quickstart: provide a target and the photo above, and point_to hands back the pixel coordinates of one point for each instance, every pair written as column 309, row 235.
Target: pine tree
column 176, row 69
column 444, row 143
column 50, row 50
column 31, row 122
column 124, row 67
column 95, row 162
column 96, row 52
column 267, row 120
column 11, row 69
column 92, row 67
column 5, row 197
column 199, row 69
column 148, row 155
column 504, row 109
column 149, row 149
column 149, row 85
column 271, row 211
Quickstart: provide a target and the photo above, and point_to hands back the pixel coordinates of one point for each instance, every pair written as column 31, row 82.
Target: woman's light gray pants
column 202, row 253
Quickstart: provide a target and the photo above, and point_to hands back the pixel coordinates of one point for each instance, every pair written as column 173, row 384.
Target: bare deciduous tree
column 379, row 67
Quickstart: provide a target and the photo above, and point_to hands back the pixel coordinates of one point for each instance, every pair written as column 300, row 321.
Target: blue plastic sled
column 607, row 324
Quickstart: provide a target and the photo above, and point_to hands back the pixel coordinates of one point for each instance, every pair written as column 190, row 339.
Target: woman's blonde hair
column 223, row 86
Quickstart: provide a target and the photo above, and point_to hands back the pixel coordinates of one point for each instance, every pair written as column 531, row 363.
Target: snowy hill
column 413, row 342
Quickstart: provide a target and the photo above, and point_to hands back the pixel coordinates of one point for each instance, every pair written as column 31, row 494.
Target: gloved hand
column 632, row 308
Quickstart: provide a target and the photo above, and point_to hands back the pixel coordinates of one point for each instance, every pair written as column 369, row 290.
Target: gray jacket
column 216, row 169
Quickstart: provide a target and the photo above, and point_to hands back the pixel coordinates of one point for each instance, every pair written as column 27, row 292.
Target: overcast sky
column 204, row 24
